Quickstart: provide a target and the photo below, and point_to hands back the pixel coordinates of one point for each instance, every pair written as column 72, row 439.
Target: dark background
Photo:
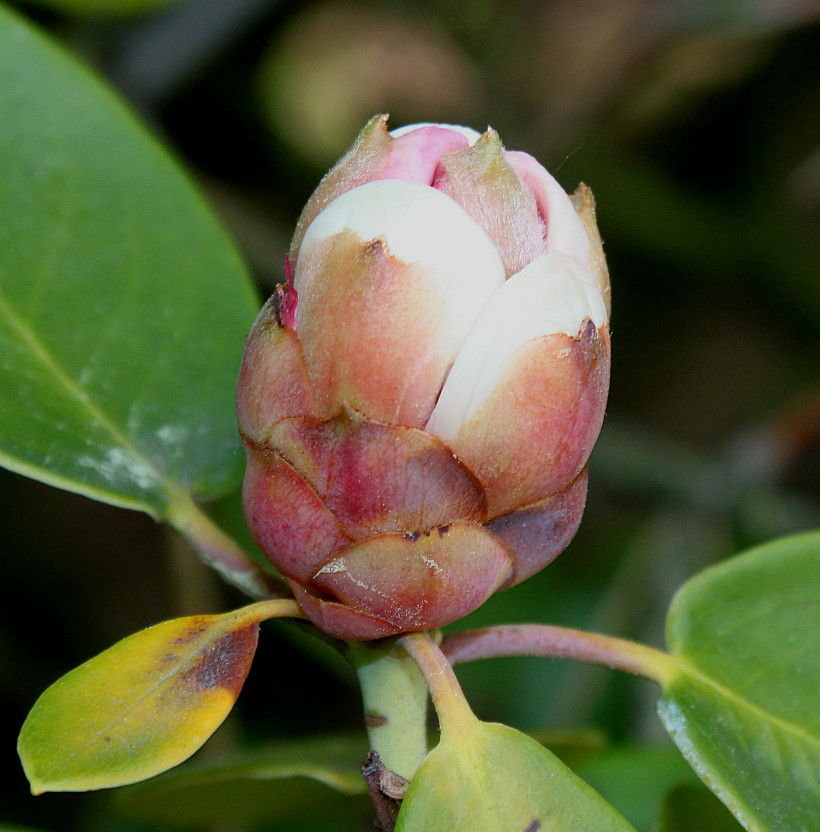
column 696, row 125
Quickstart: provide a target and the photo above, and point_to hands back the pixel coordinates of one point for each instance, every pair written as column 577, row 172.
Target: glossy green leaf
column 144, row 705
column 303, row 779
column 123, row 305
column 741, row 701
column 688, row 808
column 493, row 778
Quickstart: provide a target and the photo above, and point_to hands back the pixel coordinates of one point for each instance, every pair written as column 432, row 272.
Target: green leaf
column 7, row 828
column 145, row 704
column 741, row 702
column 123, row 305
column 315, row 779
column 107, row 7
column 688, row 808
column 490, row 778
column 635, row 780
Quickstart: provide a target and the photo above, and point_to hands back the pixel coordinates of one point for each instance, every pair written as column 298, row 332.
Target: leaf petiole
column 220, row 551
column 455, row 716
column 560, row 643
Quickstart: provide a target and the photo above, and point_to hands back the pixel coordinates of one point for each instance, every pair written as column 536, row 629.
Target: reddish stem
column 558, row 643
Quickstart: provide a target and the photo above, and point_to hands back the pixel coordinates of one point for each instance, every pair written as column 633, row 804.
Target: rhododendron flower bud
column 419, row 401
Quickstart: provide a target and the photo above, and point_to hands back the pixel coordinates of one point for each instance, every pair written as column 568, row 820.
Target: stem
column 272, row 608
column 220, row 551
column 453, row 711
column 560, row 643
column 395, row 705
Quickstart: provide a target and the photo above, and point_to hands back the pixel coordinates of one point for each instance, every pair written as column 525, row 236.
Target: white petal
column 419, row 224
column 552, row 295
column 565, row 229
column 471, row 135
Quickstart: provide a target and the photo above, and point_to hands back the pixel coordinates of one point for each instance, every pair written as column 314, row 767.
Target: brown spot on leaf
column 197, row 626
column 534, row 826
column 375, row 720
column 225, row 662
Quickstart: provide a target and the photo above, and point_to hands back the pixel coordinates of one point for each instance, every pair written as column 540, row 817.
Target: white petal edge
column 471, row 135
column 565, row 229
column 552, row 295
column 418, row 224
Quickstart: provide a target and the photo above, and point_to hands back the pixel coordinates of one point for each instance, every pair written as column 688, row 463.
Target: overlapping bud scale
column 419, row 401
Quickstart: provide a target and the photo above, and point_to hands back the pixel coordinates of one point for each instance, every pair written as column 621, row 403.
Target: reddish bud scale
column 419, row 401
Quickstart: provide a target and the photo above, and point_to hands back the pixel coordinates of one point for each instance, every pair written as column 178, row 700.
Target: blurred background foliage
column 696, row 125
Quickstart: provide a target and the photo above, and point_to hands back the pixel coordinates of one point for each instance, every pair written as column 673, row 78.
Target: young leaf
column 145, row 704
column 742, row 702
column 304, row 778
column 496, row 778
column 485, row 777
column 123, row 305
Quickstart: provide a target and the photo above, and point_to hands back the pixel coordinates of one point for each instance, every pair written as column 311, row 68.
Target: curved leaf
column 496, row 778
column 145, row 704
column 317, row 778
column 123, row 306
column 741, row 703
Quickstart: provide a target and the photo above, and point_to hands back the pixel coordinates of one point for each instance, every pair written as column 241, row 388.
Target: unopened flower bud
column 419, row 401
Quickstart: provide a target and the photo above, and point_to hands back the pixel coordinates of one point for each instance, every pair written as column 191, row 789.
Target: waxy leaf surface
column 142, row 706
column 496, row 779
column 741, row 701
column 123, row 306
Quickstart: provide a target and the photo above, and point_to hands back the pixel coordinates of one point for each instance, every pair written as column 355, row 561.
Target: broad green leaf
column 688, row 808
column 741, row 701
column 493, row 778
column 144, row 705
column 123, row 305
column 304, row 779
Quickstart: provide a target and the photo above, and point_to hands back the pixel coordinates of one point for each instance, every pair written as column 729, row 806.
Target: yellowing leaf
column 145, row 704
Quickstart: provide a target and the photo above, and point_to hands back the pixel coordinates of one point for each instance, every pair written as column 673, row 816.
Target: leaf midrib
column 183, row 664
column 46, row 358
column 685, row 666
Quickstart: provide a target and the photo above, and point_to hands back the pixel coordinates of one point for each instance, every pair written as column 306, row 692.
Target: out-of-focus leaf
column 635, row 780
column 144, row 705
column 299, row 781
column 741, row 702
column 494, row 778
column 123, row 305
column 688, row 808
column 105, row 7
column 7, row 828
